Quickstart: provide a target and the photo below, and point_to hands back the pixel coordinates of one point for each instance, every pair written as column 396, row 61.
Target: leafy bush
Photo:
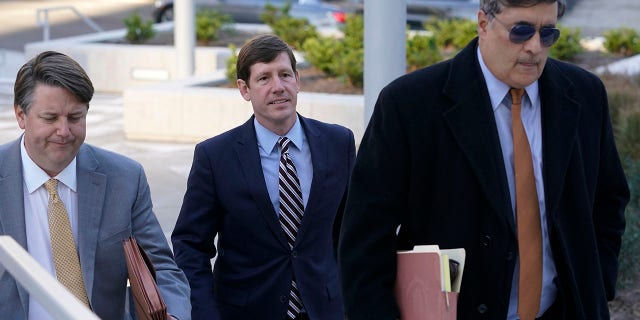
column 209, row 23
column 293, row 31
column 624, row 103
column 452, row 34
column 343, row 58
column 321, row 52
column 422, row 51
column 353, row 50
column 625, row 41
column 629, row 273
column 231, row 72
column 568, row 45
column 137, row 30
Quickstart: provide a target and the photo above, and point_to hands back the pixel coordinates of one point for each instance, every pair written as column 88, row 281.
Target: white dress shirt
column 36, row 202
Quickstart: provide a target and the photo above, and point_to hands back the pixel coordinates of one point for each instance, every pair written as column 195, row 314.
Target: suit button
column 283, row 299
column 486, row 241
column 509, row 255
column 294, row 254
column 482, row 308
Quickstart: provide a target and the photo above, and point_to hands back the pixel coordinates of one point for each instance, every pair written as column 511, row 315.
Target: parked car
column 421, row 11
column 249, row 11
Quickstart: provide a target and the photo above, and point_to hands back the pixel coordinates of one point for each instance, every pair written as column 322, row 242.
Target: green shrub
column 624, row 41
column 629, row 273
column 137, row 30
column 321, row 52
column 342, row 58
column 568, row 45
column 353, row 66
column 209, row 23
column 624, row 104
column 352, row 59
column 629, row 137
column 624, row 99
column 231, row 72
column 293, row 31
column 452, row 34
column 422, row 51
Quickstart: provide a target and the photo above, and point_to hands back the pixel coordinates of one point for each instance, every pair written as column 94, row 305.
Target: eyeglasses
column 521, row 32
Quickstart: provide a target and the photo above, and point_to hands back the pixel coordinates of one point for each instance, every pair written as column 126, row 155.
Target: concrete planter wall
column 159, row 107
column 115, row 67
column 187, row 111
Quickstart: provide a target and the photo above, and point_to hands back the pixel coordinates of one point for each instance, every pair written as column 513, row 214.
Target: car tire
column 166, row 14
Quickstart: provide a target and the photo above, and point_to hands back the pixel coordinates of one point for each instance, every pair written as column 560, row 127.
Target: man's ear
column 483, row 23
column 21, row 116
column 244, row 89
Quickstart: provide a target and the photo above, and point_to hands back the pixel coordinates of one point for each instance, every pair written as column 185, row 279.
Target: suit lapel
column 471, row 120
column 319, row 159
column 246, row 147
column 12, row 222
column 559, row 125
column 91, row 194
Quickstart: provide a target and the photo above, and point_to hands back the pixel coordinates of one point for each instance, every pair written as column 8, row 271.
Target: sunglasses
column 521, row 32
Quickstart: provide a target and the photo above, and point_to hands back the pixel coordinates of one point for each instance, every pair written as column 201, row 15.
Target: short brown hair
column 53, row 69
column 262, row 48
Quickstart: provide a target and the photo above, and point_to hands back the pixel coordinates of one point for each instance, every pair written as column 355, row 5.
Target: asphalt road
column 20, row 25
column 594, row 17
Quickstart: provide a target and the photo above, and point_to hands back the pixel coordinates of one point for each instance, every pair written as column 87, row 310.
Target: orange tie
column 528, row 217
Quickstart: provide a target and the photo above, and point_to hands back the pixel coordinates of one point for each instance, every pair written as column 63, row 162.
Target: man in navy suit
column 436, row 166
column 233, row 193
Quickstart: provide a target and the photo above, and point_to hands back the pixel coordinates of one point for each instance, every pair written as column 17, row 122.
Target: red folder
column 420, row 286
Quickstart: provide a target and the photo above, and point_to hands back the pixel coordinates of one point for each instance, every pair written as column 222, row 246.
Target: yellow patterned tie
column 65, row 255
column 528, row 217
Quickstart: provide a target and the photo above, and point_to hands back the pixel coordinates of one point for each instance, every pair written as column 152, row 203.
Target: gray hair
column 53, row 69
column 493, row 7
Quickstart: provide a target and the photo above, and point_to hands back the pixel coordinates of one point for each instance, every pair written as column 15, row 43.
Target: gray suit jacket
column 114, row 202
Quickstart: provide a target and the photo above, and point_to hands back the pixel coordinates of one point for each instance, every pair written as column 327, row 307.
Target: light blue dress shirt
column 270, row 160
column 531, row 119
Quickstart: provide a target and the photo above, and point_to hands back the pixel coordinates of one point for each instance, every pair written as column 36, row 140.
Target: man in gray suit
column 106, row 197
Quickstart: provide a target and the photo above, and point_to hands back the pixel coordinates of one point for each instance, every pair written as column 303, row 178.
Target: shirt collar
column 498, row 89
column 267, row 140
column 34, row 176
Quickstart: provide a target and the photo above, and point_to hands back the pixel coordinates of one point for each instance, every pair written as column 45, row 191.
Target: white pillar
column 384, row 47
column 184, row 36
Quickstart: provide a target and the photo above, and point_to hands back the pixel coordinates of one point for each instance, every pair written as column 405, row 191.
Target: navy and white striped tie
column 291, row 211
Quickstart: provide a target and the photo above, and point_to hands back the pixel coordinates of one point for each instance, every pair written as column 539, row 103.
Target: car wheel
column 166, row 14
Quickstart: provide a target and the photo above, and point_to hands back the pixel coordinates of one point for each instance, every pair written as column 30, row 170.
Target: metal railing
column 42, row 20
column 57, row 300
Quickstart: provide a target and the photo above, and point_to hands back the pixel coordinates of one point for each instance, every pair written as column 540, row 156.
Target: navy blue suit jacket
column 227, row 196
column 431, row 162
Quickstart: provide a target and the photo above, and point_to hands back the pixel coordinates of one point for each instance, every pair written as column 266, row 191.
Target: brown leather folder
column 142, row 278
